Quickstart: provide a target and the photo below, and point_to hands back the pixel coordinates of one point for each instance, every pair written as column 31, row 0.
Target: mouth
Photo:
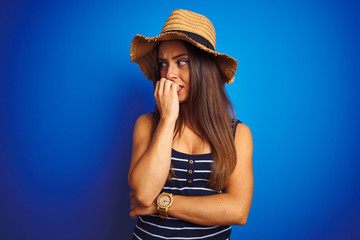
column 180, row 88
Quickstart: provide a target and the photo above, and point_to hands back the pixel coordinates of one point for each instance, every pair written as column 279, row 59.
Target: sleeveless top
column 191, row 176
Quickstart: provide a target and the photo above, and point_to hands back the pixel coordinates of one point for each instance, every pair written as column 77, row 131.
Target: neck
column 185, row 112
column 188, row 120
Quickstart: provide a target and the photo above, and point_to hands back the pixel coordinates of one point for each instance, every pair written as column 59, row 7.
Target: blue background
column 69, row 98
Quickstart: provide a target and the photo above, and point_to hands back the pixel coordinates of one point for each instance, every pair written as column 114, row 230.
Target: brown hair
column 211, row 115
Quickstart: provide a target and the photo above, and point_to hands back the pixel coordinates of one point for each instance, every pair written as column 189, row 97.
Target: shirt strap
column 234, row 125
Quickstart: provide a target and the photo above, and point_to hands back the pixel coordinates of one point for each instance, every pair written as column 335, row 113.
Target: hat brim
column 142, row 47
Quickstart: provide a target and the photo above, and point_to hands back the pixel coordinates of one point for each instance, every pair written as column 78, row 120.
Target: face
column 173, row 60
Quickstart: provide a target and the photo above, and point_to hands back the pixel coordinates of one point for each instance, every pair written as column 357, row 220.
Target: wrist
column 167, row 122
column 164, row 202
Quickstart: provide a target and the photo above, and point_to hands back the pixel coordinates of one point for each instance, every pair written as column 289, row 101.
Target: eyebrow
column 180, row 55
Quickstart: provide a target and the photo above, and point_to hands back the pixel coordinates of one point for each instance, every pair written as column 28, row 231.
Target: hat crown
column 184, row 20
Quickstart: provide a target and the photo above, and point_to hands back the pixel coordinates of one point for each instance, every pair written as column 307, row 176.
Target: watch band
column 163, row 212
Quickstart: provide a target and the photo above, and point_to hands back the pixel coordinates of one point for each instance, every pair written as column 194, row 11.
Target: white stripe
column 202, row 237
column 196, row 161
column 180, row 159
column 154, row 235
column 204, row 161
column 184, row 180
column 178, row 228
column 203, row 171
column 210, row 235
column 137, row 236
column 179, row 179
column 191, row 188
column 179, row 169
column 200, row 179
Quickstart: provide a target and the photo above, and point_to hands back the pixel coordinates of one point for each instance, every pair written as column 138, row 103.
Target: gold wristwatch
column 164, row 201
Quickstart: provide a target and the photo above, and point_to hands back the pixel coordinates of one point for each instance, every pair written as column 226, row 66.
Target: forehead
column 172, row 48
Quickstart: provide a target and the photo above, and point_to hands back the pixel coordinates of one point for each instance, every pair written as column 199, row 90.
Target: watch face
column 164, row 200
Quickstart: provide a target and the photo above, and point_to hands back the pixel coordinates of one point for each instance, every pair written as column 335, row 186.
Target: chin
column 183, row 97
column 181, row 100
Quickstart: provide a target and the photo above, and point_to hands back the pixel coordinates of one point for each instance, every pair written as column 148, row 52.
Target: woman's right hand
column 167, row 99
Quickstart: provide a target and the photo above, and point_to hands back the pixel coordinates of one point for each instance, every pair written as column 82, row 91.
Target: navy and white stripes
column 191, row 176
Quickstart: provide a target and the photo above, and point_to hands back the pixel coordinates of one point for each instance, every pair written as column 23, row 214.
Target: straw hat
column 188, row 26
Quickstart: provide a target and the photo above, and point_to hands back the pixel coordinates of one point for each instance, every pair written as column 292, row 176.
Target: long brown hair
column 210, row 113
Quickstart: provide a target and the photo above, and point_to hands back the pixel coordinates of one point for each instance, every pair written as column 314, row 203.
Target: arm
column 229, row 208
column 151, row 157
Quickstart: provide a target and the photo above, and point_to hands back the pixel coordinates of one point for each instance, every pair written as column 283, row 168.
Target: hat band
column 197, row 38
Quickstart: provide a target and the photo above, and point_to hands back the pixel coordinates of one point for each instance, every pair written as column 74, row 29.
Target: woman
column 191, row 168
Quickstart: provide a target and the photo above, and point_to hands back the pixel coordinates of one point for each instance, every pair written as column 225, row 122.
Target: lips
column 180, row 88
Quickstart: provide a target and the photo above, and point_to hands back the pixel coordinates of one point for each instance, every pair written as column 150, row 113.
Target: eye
column 182, row 62
column 162, row 64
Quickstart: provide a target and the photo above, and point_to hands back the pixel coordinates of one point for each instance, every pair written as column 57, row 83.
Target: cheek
column 188, row 77
column 162, row 73
column 185, row 74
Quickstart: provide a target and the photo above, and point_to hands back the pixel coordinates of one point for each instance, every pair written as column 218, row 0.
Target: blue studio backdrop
column 69, row 98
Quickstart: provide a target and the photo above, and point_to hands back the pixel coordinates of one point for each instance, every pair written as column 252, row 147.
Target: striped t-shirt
column 191, row 175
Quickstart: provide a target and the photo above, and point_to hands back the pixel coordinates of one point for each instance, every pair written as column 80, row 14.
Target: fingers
column 132, row 206
column 167, row 86
column 132, row 214
column 161, row 83
column 133, row 201
column 156, row 91
column 132, row 198
column 163, row 86
column 131, row 194
column 137, row 210
column 166, row 98
column 174, row 88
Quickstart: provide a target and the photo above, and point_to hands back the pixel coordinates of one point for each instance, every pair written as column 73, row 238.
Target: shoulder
column 145, row 119
column 143, row 125
column 242, row 129
column 243, row 136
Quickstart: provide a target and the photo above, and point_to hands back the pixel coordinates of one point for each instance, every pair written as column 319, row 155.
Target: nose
column 172, row 72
